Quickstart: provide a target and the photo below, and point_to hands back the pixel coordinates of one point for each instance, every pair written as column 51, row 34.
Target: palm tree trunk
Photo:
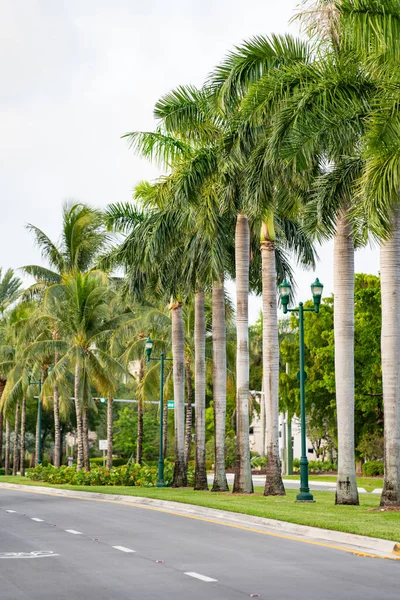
column 2, row 386
column 346, row 487
column 273, row 482
column 165, row 429
column 7, row 448
column 79, row 457
column 139, row 446
column 57, row 445
column 16, row 440
column 178, row 353
column 23, row 435
column 109, row 432
column 56, row 410
column 243, row 482
column 37, row 441
column 1, row 436
column 189, row 412
column 220, row 483
column 85, row 435
column 390, row 348
column 200, row 474
column 262, row 421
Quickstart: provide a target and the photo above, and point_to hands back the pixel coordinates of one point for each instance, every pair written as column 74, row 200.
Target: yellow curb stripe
column 216, row 522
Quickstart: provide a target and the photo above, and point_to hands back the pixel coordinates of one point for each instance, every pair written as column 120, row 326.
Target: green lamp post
column 284, row 292
column 162, row 359
column 39, row 417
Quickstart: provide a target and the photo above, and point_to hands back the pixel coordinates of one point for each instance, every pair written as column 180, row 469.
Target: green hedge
column 117, row 462
column 316, row 466
column 372, row 468
column 132, row 474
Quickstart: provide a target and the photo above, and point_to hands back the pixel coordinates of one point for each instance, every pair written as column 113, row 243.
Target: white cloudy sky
column 77, row 74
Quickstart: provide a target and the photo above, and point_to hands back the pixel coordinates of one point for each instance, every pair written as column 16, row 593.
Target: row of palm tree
column 289, row 142
column 284, row 130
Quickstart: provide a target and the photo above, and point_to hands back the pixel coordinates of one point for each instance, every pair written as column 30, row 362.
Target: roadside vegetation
column 289, row 143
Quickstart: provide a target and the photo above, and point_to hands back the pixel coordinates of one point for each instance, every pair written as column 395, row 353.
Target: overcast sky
column 77, row 74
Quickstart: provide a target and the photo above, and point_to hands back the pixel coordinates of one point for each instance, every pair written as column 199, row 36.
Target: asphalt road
column 54, row 548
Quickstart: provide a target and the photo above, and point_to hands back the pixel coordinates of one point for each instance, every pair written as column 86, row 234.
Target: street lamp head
column 284, row 293
column 149, row 347
column 316, row 290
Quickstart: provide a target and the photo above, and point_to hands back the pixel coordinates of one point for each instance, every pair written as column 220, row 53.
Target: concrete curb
column 358, row 542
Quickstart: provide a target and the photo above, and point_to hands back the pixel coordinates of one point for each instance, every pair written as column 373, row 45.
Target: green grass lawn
column 351, row 519
column 368, row 483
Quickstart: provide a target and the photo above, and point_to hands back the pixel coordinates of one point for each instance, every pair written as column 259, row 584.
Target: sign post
column 103, row 445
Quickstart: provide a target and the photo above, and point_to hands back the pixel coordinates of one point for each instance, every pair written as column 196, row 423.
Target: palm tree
column 79, row 308
column 83, row 237
column 372, row 31
column 9, row 289
column 292, row 101
column 17, row 331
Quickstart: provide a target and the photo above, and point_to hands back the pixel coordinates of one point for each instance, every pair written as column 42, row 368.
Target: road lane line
column 73, row 531
column 123, row 549
column 37, row 520
column 201, row 577
column 11, row 511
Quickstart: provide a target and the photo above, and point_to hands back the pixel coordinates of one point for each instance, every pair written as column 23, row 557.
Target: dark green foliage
column 320, row 368
column 131, row 474
column 316, row 466
column 117, row 462
column 373, row 468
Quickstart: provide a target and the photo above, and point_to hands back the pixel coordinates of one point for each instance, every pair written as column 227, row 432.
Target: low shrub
column 372, row 468
column 316, row 466
column 259, row 461
column 117, row 462
column 2, row 471
column 132, row 474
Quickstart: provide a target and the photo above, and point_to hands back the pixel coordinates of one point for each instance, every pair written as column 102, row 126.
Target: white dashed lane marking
column 74, row 532
column 123, row 549
column 199, row 576
column 37, row 520
column 11, row 511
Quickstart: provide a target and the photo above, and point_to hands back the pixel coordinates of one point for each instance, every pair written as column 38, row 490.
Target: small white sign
column 103, row 445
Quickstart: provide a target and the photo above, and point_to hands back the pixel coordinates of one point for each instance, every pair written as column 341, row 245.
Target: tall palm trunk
column 16, row 440
column 109, row 432
column 262, row 420
column 23, row 436
column 37, row 440
column 2, row 386
column 178, row 353
column 85, row 435
column 346, row 487
column 79, row 436
column 200, row 474
column 56, row 410
column 1, row 436
column 243, row 482
column 189, row 411
column 7, row 448
column 165, row 429
column 139, row 446
column 390, row 345
column 273, row 483
column 220, row 483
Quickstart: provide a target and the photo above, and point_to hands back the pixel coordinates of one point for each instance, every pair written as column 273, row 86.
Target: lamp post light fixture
column 284, row 292
column 162, row 358
column 39, row 417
